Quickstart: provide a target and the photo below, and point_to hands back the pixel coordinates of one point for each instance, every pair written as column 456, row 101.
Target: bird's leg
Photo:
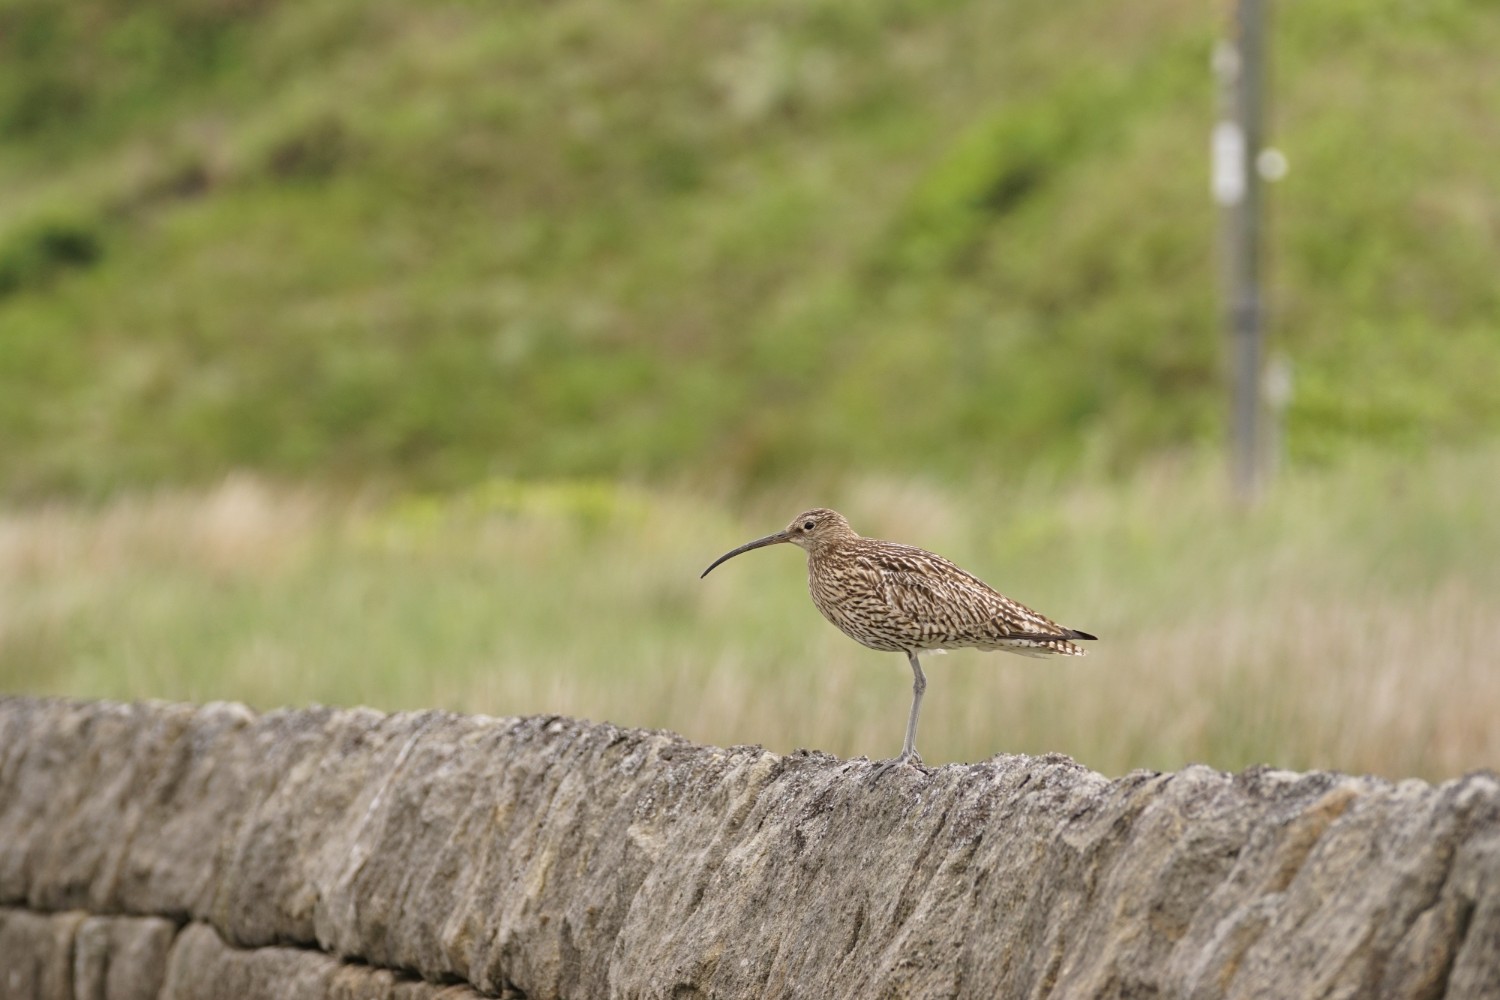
column 909, row 748
column 919, row 684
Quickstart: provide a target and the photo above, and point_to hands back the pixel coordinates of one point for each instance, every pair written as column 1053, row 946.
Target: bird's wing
column 942, row 600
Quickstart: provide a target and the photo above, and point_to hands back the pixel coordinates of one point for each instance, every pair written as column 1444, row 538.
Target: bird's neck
column 822, row 548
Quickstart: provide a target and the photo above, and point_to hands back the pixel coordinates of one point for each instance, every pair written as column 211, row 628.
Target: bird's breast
column 855, row 609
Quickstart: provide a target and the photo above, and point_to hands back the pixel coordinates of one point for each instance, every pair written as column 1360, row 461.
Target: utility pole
column 1239, row 64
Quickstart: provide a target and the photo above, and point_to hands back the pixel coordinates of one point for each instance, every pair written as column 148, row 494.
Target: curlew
column 902, row 599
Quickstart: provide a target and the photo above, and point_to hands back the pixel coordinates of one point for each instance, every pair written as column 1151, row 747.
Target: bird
column 902, row 599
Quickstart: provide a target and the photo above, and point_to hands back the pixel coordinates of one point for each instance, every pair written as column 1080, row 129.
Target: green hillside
column 721, row 241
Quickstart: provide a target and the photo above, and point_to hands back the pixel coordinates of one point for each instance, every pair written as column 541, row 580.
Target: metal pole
column 1237, row 142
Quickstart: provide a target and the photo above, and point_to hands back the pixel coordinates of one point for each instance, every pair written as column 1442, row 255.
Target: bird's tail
column 1044, row 644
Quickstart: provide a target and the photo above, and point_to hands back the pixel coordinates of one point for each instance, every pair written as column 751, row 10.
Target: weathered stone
column 121, row 958
column 74, row 956
column 36, row 954
column 571, row 860
column 204, row 967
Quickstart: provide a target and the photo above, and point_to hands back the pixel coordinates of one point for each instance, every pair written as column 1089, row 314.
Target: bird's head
column 810, row 530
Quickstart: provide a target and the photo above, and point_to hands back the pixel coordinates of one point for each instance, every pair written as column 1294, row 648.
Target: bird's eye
column 808, row 525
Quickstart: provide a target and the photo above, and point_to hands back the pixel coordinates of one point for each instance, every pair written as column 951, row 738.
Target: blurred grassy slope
column 451, row 240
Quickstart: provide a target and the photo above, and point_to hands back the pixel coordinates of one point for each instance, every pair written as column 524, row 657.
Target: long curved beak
column 780, row 536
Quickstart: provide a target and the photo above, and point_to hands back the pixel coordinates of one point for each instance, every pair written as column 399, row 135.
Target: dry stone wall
column 160, row 850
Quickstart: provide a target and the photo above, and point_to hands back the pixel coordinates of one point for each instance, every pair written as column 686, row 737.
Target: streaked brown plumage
column 900, row 598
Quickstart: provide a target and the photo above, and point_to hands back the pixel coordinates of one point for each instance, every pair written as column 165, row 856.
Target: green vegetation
column 611, row 287
column 1349, row 623
column 734, row 242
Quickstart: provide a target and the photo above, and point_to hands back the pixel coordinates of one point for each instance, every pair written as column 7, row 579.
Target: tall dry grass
column 1350, row 623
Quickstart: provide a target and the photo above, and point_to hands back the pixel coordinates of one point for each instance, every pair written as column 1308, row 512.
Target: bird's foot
column 912, row 760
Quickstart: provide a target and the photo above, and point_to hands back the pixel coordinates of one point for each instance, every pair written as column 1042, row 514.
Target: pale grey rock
column 121, row 958
column 204, row 967
column 74, row 956
column 36, row 954
column 562, row 859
